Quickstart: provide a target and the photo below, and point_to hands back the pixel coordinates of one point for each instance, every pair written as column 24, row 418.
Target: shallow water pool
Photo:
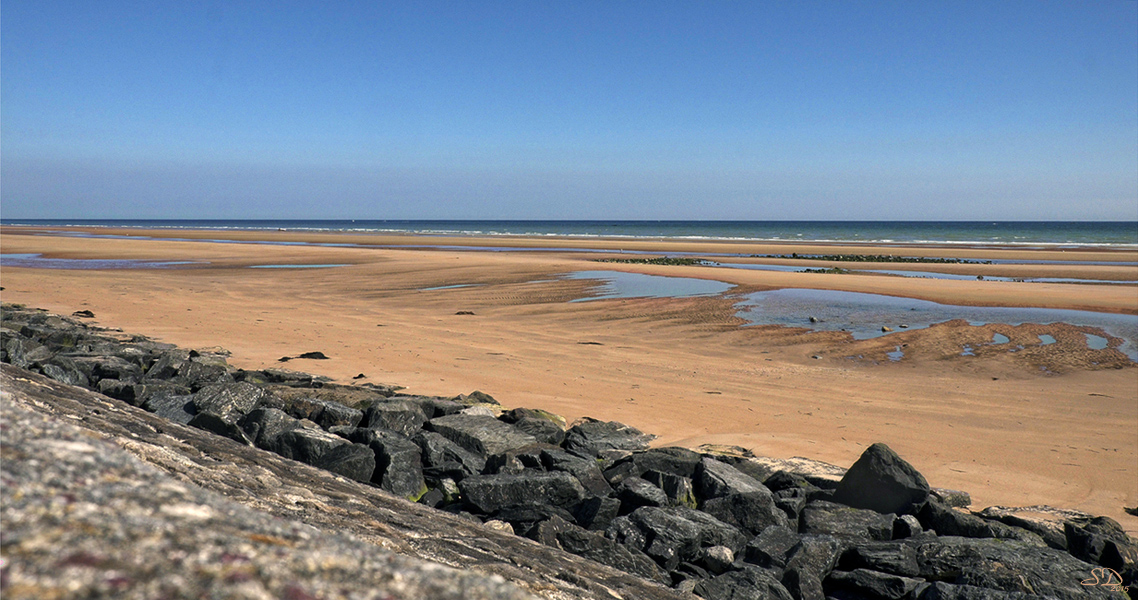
column 618, row 284
column 864, row 315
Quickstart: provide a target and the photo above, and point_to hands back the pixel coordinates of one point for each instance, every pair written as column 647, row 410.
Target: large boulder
column 897, row 558
column 586, row 471
column 752, row 511
column 635, row 492
column 828, row 518
column 443, row 458
column 489, row 493
column 748, row 583
column 354, row 461
column 172, row 406
column 667, row 537
column 399, row 466
column 1103, row 541
column 714, row 478
column 1008, row 566
column 263, row 425
column 881, row 480
column 595, row 546
column 306, row 445
column 229, row 401
column 871, row 584
column 480, row 434
column 770, row 548
column 676, row 461
column 592, row 437
column 402, row 416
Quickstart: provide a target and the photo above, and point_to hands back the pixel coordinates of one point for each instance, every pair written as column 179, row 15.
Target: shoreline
column 683, row 368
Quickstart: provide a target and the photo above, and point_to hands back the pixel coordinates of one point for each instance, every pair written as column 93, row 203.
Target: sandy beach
column 1054, row 424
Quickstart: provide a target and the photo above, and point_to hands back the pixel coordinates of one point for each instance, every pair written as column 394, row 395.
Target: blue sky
column 570, row 110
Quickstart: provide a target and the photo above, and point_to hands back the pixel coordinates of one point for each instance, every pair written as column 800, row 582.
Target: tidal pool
column 297, row 266
column 37, row 261
column 618, row 284
column 864, row 315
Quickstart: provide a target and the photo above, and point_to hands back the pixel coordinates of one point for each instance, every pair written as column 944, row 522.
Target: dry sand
column 1045, row 426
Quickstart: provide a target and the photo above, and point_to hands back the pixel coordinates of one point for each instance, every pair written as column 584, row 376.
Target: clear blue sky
column 570, row 110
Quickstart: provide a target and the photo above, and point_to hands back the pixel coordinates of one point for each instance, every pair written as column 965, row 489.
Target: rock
column 882, row 481
column 770, row 548
column 791, row 502
column 404, row 417
column 479, row 434
column 679, row 490
column 871, row 583
column 597, row 512
column 591, row 437
column 474, row 398
column 433, row 407
column 676, row 461
column 906, row 526
column 714, row 478
column 61, row 371
column 108, row 367
column 398, row 462
column 524, row 518
column 820, row 517
column 263, row 425
column 515, row 415
column 596, row 546
column 228, row 401
column 668, row 538
column 752, row 511
column 896, row 558
column 445, row 458
column 481, row 411
column 167, row 365
column 1006, row 565
column 85, row 314
column 197, row 374
column 314, row 355
column 354, row 461
column 809, row 563
column 1044, row 521
column 717, row 559
column 948, row 521
column 712, row 531
column 885, row 329
column 940, row 590
column 171, row 406
column 586, row 471
column 745, row 584
column 542, row 430
column 953, row 498
column 489, row 493
column 1102, row 541
column 306, row 445
column 635, row 492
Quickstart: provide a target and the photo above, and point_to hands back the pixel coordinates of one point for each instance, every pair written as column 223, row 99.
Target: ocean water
column 980, row 233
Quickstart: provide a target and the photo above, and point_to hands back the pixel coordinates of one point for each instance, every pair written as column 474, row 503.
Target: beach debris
column 360, row 376
column 886, row 329
column 313, row 355
column 464, row 312
column 815, row 319
column 85, row 314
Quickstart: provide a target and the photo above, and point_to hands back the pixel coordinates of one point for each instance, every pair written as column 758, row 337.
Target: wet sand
column 1056, row 425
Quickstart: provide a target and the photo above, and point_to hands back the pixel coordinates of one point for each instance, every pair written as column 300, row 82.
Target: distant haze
column 575, row 110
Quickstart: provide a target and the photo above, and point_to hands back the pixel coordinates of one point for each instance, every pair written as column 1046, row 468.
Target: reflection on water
column 1046, row 340
column 999, row 338
column 618, row 284
column 37, row 261
column 298, row 266
column 1096, row 342
column 864, row 315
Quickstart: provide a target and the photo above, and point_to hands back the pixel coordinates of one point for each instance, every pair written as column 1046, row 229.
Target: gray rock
column 591, row 437
column 167, row 365
column 480, row 434
column 1006, row 565
column 752, row 511
column 770, row 549
column 712, row 531
column 404, row 417
column 828, row 518
column 229, row 401
column 171, row 406
column 446, row 458
column 745, row 584
column 896, row 558
column 872, row 584
column 197, row 374
column 586, row 471
column 679, row 490
column 1101, row 540
column 543, row 430
column 635, row 492
column 809, row 563
column 714, row 478
column 940, row 590
column 597, row 512
column 399, row 465
column 668, row 537
column 489, row 493
column 354, row 461
column 305, row 445
column 263, row 425
column 1044, row 521
column 881, row 480
column 595, row 546
column 676, row 461
column 717, row 559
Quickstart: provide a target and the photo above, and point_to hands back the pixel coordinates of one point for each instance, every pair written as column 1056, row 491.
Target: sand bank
column 1048, row 426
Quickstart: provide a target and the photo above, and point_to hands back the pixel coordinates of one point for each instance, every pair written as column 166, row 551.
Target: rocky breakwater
column 464, row 482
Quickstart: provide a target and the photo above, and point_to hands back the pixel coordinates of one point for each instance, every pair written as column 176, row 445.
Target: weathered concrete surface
column 218, row 519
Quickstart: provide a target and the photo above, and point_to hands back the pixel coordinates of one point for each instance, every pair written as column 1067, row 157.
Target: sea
column 1122, row 234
